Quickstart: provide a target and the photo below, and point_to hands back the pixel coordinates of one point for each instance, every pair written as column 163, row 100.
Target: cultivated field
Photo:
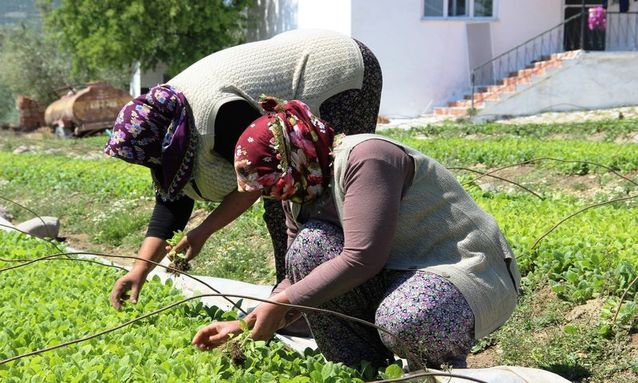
column 576, row 271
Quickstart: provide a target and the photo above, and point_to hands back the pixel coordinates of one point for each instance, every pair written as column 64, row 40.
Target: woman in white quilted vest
column 378, row 231
column 185, row 131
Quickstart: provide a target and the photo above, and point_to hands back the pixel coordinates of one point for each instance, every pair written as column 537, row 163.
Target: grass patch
column 609, row 130
column 500, row 151
column 549, row 333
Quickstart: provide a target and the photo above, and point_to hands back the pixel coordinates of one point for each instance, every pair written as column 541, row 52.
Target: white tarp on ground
column 502, row 374
column 5, row 225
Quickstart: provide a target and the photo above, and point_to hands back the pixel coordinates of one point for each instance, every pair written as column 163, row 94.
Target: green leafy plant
column 178, row 259
column 393, row 371
column 41, row 307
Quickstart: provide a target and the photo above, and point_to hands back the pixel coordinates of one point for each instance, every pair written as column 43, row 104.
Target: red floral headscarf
column 286, row 153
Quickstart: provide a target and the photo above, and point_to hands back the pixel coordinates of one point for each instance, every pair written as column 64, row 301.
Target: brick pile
column 30, row 112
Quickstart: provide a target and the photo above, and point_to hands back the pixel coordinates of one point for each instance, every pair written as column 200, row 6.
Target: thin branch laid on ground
column 482, row 174
column 66, row 259
column 578, row 212
column 50, row 241
column 552, row 159
column 104, row 332
column 27, row 262
column 497, row 177
column 622, row 299
column 219, row 294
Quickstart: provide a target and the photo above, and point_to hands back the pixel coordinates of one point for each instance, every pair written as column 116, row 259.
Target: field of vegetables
column 577, row 270
column 49, row 303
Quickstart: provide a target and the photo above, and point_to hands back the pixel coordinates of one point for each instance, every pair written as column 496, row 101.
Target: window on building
column 459, row 8
column 587, row 2
column 483, row 8
column 434, row 8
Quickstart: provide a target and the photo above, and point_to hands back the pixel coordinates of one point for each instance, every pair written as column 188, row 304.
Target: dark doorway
column 591, row 40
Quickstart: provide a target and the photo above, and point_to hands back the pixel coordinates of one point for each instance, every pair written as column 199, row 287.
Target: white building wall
column 270, row 17
column 519, row 20
column 423, row 61
column 325, row 14
column 140, row 80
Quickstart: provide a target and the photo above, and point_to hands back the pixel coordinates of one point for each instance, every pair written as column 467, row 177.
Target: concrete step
column 502, row 88
column 506, row 85
column 450, row 111
column 515, row 80
column 565, row 55
column 478, row 103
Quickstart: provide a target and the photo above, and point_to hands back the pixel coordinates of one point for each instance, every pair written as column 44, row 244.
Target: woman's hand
column 131, row 281
column 268, row 318
column 191, row 244
column 264, row 321
column 216, row 334
column 152, row 249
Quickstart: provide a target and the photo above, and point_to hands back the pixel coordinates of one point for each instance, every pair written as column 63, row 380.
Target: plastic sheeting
column 501, row 374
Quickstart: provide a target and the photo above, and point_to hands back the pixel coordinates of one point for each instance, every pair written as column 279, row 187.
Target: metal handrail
column 516, row 49
column 537, row 37
column 622, row 31
column 620, row 34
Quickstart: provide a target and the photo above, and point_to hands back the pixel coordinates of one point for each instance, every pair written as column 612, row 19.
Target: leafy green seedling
column 179, row 263
column 236, row 346
column 393, row 371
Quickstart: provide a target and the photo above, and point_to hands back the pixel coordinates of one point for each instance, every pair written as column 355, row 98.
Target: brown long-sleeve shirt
column 377, row 177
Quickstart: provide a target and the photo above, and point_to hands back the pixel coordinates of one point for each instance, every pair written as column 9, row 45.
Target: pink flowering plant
column 597, row 18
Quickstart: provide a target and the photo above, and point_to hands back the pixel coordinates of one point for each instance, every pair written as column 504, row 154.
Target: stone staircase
column 506, row 86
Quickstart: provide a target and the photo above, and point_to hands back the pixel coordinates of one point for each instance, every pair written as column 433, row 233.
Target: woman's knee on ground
column 316, row 242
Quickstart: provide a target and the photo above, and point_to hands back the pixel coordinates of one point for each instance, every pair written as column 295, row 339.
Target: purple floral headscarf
column 154, row 130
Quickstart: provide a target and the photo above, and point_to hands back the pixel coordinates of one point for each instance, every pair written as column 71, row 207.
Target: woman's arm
column 377, row 175
column 231, row 207
column 167, row 217
column 153, row 249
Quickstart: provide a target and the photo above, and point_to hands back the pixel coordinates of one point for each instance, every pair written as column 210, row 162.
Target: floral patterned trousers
column 430, row 321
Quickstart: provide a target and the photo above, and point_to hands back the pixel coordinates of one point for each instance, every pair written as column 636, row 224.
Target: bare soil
column 81, row 242
column 539, row 180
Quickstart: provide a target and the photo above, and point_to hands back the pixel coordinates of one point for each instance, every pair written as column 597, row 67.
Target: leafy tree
column 37, row 66
column 7, row 106
column 31, row 66
column 119, row 33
